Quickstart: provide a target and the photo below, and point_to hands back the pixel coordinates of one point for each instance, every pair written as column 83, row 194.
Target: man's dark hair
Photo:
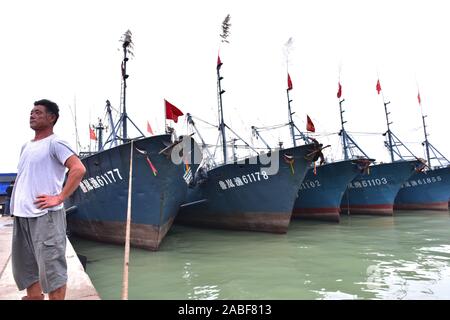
column 50, row 106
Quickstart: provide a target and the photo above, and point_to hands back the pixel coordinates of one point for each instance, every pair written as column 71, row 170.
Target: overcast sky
column 68, row 51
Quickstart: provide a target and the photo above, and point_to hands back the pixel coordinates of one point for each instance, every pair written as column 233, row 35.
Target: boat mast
column 389, row 144
column 388, row 132
column 348, row 143
column 291, row 122
column 258, row 135
column 343, row 132
column 204, row 145
column 436, row 155
column 220, row 91
column 233, row 149
column 288, row 47
column 99, row 130
column 394, row 142
column 224, row 35
column 427, row 144
column 111, row 124
column 127, row 45
column 290, row 113
column 77, row 137
column 113, row 137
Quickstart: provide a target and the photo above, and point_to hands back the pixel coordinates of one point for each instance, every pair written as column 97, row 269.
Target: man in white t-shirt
column 37, row 203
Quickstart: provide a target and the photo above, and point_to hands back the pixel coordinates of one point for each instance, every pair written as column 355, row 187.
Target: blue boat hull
column 428, row 190
column 101, row 199
column 320, row 194
column 374, row 193
column 261, row 203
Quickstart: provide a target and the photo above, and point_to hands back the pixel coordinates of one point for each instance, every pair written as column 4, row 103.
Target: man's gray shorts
column 39, row 251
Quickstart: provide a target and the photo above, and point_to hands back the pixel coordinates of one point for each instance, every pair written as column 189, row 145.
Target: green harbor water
column 402, row 257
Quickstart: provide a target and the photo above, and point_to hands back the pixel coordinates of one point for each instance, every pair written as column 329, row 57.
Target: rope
column 212, row 125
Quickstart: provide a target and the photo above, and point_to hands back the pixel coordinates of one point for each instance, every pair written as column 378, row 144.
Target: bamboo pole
column 126, row 259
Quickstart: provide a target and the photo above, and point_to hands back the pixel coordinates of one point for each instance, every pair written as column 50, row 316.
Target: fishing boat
column 100, row 203
column 428, row 189
column 98, row 208
column 373, row 192
column 319, row 195
column 255, row 193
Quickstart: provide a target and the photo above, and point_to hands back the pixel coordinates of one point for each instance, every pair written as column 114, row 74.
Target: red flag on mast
column 172, row 112
column 418, row 98
column 219, row 62
column 310, row 125
column 92, row 135
column 149, row 129
column 289, row 82
column 339, row 93
column 378, row 86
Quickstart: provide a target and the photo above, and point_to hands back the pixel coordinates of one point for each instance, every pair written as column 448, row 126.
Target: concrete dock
column 79, row 286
